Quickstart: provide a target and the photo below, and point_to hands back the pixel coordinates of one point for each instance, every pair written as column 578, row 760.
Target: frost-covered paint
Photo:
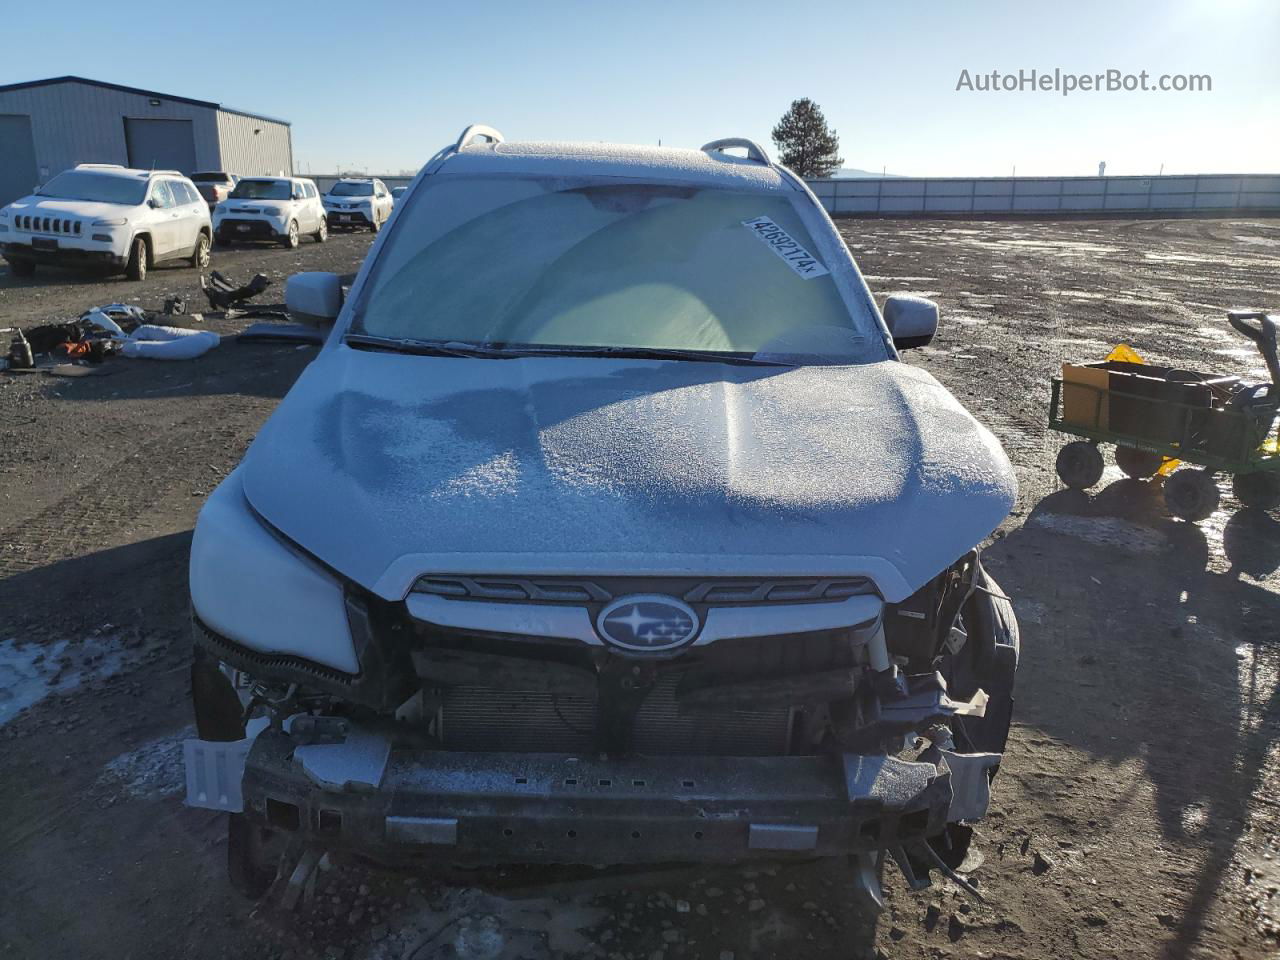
column 390, row 466
column 387, row 466
column 249, row 587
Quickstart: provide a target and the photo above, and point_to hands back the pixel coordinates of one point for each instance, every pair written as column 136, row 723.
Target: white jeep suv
column 271, row 208
column 99, row 213
column 355, row 202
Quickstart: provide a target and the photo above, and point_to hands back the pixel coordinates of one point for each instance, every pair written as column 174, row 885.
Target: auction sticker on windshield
column 792, row 253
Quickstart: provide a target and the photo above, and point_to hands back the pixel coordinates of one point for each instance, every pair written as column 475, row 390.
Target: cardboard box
column 1084, row 396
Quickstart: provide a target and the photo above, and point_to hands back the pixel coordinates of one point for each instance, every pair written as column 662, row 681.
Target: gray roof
column 144, row 93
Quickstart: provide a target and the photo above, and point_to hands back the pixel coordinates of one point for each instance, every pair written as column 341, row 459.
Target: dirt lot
column 1137, row 815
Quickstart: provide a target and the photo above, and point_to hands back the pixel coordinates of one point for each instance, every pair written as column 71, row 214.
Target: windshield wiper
column 503, row 351
column 428, row 348
column 650, row 353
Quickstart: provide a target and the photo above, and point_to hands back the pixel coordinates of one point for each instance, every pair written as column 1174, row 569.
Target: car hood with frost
column 389, row 466
column 86, row 209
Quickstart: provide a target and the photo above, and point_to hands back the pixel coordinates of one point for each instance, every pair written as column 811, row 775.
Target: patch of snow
column 474, row 925
column 29, row 672
column 150, row 771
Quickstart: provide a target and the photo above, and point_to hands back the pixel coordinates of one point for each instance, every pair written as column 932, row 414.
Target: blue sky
column 381, row 85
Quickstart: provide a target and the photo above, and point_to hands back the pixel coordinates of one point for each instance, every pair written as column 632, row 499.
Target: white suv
column 99, row 213
column 606, row 527
column 359, row 202
column 271, row 208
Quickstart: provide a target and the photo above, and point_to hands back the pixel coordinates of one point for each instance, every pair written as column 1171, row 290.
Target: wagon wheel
column 1191, row 494
column 1260, row 490
column 1079, row 465
column 1138, row 464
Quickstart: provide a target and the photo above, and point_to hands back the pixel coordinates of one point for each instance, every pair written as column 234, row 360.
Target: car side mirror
column 313, row 297
column 153, row 203
column 912, row 320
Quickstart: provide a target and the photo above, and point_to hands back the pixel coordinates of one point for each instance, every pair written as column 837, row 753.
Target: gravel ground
column 1136, row 815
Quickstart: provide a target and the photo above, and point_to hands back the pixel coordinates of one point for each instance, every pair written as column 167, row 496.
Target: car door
column 313, row 201
column 382, row 196
column 193, row 212
column 305, row 212
column 164, row 219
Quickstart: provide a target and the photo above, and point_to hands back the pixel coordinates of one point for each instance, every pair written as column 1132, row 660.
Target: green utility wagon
column 1153, row 414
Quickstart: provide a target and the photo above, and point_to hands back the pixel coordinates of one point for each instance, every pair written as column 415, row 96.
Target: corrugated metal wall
column 254, row 147
column 80, row 123
column 1191, row 195
column 77, row 123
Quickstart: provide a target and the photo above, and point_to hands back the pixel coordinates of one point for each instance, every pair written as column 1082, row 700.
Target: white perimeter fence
column 1192, row 195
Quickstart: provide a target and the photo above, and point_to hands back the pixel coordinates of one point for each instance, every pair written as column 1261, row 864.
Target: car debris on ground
column 223, row 293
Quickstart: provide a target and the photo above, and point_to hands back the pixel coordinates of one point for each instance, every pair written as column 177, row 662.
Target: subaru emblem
column 647, row 624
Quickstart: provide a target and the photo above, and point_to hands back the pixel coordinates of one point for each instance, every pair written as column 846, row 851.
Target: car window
column 184, row 193
column 311, row 190
column 594, row 263
column 261, row 190
column 347, row 189
column 161, row 194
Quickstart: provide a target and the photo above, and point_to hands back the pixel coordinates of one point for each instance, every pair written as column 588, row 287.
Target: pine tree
column 808, row 146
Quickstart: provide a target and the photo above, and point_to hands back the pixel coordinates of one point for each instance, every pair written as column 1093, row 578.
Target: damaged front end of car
column 614, row 720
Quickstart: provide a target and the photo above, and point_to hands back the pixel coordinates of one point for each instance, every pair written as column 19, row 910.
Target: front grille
column 485, row 719
column 58, row 226
column 599, row 590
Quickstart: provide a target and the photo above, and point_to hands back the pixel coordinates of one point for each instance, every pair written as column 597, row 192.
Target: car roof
column 116, row 170
column 616, row 160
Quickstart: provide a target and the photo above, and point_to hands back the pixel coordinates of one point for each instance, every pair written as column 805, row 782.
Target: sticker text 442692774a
column 785, row 246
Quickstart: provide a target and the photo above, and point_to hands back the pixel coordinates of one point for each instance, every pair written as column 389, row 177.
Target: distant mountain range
column 854, row 172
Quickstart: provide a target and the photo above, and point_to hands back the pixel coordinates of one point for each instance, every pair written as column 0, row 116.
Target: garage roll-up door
column 160, row 144
column 18, row 173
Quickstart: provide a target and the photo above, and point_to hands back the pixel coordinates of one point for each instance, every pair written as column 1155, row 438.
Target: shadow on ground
column 1155, row 642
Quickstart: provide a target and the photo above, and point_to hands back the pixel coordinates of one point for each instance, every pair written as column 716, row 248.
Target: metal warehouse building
column 47, row 126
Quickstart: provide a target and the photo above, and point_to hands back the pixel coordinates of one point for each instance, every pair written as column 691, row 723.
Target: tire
column 1138, row 464
column 374, row 225
column 1259, row 490
column 200, row 255
column 1190, row 494
column 322, row 232
column 139, row 252
column 988, row 661
column 290, row 239
column 22, row 268
column 1079, row 465
column 253, row 855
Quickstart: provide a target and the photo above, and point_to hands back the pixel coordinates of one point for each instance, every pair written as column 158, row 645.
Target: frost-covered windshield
column 262, row 190
column 351, row 190
column 95, row 188
column 599, row 263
